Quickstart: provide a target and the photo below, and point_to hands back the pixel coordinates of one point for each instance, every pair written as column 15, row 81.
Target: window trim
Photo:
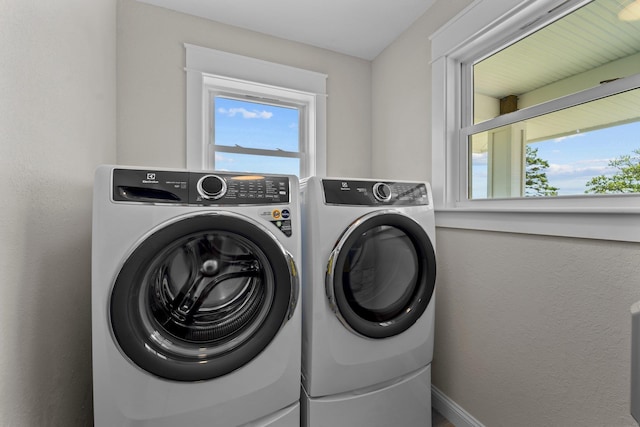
column 210, row 69
column 480, row 28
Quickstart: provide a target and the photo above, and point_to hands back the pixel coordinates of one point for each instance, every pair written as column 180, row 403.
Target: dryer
column 195, row 314
column 368, row 302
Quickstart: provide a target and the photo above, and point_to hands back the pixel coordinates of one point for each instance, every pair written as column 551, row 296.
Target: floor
column 437, row 420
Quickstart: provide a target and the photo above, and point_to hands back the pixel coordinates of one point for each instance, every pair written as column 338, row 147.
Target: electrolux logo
column 151, row 178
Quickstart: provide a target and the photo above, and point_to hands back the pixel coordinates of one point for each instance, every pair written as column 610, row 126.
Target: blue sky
column 256, row 125
column 575, row 159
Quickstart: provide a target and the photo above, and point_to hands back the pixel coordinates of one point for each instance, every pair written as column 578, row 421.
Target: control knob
column 382, row 192
column 212, row 187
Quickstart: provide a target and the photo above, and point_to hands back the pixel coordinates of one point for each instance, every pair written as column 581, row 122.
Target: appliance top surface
column 200, row 188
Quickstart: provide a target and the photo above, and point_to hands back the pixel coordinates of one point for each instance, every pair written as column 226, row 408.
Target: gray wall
column 534, row 330
column 57, row 123
column 151, row 86
column 530, row 330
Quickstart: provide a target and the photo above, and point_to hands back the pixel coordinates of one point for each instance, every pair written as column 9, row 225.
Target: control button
column 382, row 192
column 212, row 187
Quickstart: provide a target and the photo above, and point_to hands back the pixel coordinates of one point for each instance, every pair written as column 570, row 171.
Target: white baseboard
column 451, row 410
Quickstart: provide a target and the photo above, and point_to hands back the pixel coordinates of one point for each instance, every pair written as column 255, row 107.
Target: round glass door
column 382, row 275
column 201, row 297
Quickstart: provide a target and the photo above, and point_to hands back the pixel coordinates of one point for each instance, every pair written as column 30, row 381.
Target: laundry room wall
column 57, row 123
column 530, row 330
column 401, row 98
column 151, row 86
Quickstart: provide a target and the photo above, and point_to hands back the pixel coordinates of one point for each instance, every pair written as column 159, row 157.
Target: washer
column 368, row 302
column 195, row 314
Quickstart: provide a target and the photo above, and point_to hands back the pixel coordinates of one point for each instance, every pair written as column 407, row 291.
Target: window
column 583, row 49
column 536, row 108
column 250, row 132
column 248, row 115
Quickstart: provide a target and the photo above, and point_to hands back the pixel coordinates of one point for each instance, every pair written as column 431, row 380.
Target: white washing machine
column 195, row 318
column 367, row 302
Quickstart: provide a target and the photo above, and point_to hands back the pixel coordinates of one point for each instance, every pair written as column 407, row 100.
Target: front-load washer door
column 381, row 274
column 202, row 296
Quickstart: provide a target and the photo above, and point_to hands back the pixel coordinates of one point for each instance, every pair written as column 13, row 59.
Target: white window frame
column 212, row 72
column 478, row 28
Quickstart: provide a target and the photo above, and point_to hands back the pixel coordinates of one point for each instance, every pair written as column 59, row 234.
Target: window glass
column 591, row 148
column 252, row 136
column 586, row 48
column 256, row 125
column 541, row 122
column 236, row 162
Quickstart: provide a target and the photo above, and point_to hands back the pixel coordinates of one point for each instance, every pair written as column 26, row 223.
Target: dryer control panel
column 201, row 188
column 374, row 193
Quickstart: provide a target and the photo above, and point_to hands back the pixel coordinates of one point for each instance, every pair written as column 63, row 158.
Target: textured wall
column 57, row 123
column 535, row 330
column 401, row 98
column 151, row 86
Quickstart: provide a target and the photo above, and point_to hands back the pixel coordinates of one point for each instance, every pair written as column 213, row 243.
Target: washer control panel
column 201, row 188
column 374, row 193
column 236, row 189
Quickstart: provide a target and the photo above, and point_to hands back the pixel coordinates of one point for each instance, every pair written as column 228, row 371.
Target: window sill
column 617, row 225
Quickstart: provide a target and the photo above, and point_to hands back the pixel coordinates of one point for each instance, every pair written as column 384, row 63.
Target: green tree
column 536, row 182
column 625, row 180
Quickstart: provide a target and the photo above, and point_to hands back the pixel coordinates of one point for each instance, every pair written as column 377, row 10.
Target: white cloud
column 591, row 167
column 480, row 158
column 562, row 138
column 246, row 114
column 221, row 158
